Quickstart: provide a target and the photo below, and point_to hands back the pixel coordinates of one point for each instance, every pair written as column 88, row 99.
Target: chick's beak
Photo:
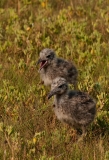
column 53, row 92
column 39, row 61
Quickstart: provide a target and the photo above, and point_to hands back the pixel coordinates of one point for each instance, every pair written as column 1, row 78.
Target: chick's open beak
column 43, row 63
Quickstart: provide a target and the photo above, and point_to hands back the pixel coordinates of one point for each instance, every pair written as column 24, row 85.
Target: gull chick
column 75, row 108
column 51, row 67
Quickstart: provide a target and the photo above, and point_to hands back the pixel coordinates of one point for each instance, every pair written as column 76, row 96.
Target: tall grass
column 77, row 31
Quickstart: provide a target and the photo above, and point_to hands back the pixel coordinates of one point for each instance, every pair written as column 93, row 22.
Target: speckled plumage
column 76, row 108
column 56, row 67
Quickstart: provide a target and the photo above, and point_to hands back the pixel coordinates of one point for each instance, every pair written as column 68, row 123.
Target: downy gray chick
column 51, row 67
column 75, row 108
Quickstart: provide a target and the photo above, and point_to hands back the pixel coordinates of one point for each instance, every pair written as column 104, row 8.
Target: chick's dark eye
column 48, row 56
column 61, row 86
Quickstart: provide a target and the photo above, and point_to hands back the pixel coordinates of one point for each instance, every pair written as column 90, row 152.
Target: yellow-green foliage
column 77, row 31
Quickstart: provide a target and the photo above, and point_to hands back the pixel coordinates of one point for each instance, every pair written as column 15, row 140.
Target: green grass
column 77, row 31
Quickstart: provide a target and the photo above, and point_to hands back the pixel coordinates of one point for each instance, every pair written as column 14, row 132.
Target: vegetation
column 77, row 31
